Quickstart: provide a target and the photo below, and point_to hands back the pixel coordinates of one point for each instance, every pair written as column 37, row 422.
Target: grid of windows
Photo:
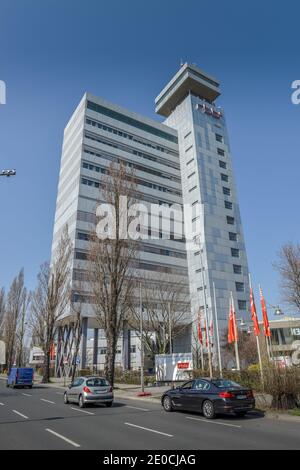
column 131, row 121
column 120, row 133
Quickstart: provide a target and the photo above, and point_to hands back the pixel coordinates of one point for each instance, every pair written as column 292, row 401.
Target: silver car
column 86, row 390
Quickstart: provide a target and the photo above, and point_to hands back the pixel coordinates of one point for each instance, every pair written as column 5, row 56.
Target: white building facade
column 185, row 160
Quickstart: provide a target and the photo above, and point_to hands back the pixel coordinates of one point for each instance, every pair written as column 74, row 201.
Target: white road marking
column 20, row 414
column 1, row 404
column 63, row 438
column 26, row 394
column 82, row 411
column 48, row 401
column 214, row 422
column 136, row 408
column 148, row 429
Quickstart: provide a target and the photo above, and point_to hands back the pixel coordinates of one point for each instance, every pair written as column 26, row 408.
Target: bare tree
column 166, row 314
column 247, row 349
column 288, row 267
column 21, row 329
column 76, row 306
column 2, row 311
column 15, row 306
column 50, row 299
column 111, row 266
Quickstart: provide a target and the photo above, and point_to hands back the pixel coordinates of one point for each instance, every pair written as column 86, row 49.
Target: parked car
column 20, row 377
column 210, row 397
column 85, row 390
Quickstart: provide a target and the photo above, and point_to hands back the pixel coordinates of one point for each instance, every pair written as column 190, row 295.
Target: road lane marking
column 136, row 408
column 20, row 414
column 26, row 394
column 63, row 438
column 148, row 429
column 214, row 422
column 1, row 404
column 82, row 411
column 48, row 401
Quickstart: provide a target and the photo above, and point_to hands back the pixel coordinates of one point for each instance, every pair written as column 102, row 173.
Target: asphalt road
column 38, row 419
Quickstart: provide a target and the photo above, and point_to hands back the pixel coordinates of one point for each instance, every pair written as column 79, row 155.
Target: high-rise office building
column 185, row 160
column 97, row 134
column 188, row 104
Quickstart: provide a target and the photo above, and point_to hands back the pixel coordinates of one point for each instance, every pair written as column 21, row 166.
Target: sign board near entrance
column 173, row 367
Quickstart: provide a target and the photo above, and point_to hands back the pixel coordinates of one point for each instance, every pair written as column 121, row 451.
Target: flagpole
column 256, row 335
column 217, row 331
column 205, row 314
column 237, row 357
column 268, row 343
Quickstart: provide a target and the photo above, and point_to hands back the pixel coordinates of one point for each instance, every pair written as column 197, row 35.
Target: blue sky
column 125, row 51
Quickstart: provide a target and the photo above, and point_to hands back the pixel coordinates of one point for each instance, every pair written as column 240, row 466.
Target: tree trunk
column 109, row 368
column 46, row 368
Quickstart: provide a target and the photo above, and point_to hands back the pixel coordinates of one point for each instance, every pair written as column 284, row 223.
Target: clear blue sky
column 53, row 51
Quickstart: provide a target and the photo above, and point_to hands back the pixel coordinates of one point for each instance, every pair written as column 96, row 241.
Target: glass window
column 188, row 385
column 222, row 164
column 237, row 269
column 224, row 177
column 221, row 152
column 131, row 121
column 232, row 236
column 228, row 205
column 219, row 138
column 201, row 385
column 235, row 252
column 239, row 286
column 242, row 304
column 223, row 383
column 230, row 220
column 226, row 191
column 97, row 382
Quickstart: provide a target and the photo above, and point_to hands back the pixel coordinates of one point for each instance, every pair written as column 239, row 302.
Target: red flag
column 254, row 314
column 232, row 333
column 199, row 331
column 267, row 330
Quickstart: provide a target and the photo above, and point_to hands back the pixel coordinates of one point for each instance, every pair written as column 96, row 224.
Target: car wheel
column 66, row 401
column 208, row 410
column 81, row 402
column 109, row 404
column 167, row 404
column 240, row 414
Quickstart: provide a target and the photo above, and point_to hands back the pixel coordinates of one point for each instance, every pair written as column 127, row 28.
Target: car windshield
column 225, row 384
column 97, row 382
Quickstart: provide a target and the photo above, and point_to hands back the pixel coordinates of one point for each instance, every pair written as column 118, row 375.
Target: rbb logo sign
column 2, row 92
column 183, row 365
